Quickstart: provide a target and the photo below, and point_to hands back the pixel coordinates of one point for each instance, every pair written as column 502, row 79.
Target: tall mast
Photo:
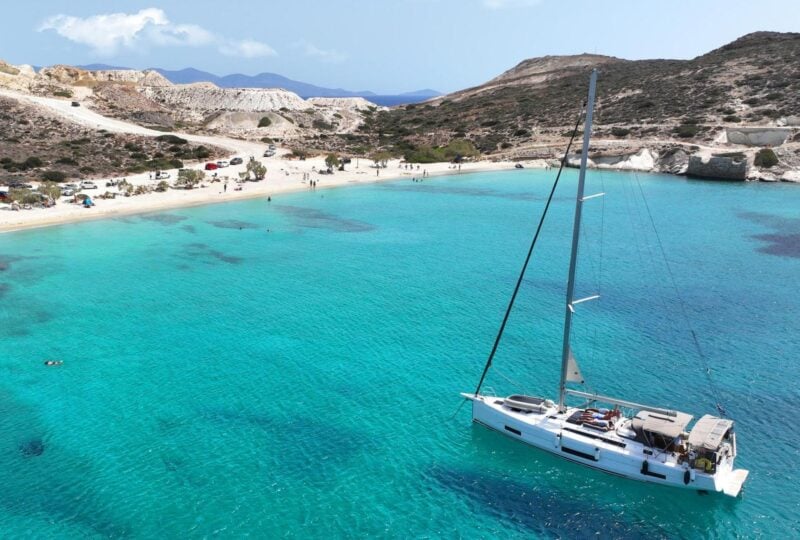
column 576, row 230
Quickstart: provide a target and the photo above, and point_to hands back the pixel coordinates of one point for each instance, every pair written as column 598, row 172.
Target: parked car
column 88, row 184
column 3, row 195
column 222, row 163
column 76, row 104
column 74, row 186
column 211, row 166
column 19, row 185
column 269, row 153
column 272, row 147
column 67, row 192
column 162, row 175
column 237, row 161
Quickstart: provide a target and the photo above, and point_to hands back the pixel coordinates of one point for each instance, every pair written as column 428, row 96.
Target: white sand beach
column 283, row 175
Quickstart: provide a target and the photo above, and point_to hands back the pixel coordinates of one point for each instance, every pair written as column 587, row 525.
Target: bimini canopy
column 709, row 431
column 668, row 427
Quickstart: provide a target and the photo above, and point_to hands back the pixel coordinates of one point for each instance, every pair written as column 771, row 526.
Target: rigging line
column 682, row 305
column 602, row 237
column 457, row 409
column 530, row 252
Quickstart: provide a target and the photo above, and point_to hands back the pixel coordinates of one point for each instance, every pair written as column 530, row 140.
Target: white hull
column 608, row 451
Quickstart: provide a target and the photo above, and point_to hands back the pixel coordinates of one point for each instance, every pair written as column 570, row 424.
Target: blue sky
column 387, row 46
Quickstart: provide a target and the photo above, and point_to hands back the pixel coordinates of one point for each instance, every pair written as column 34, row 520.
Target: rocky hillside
column 35, row 144
column 148, row 98
column 755, row 80
column 528, row 111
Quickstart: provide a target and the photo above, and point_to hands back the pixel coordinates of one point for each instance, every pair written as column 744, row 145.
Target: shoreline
column 66, row 213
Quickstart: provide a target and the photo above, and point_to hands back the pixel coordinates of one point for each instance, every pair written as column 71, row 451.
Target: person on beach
column 225, row 187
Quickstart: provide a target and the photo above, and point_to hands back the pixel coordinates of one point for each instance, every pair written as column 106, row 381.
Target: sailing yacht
column 616, row 436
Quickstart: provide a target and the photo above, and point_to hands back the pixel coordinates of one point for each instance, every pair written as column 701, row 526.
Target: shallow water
column 293, row 368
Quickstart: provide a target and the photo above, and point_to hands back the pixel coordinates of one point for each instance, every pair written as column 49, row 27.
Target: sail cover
column 573, row 371
column 709, row 432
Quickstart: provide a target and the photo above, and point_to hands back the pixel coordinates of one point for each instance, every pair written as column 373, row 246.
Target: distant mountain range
column 273, row 80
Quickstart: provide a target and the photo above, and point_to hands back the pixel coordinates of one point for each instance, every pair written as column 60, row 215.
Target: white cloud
column 247, row 49
column 326, row 55
column 501, row 4
column 107, row 33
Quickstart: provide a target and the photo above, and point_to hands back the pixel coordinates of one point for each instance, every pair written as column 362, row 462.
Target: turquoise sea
column 293, row 368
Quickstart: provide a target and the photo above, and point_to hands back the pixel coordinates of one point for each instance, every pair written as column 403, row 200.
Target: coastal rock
column 718, row 167
column 673, row 160
column 791, row 176
column 757, row 136
column 641, row 160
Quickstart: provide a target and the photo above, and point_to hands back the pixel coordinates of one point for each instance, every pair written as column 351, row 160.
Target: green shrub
column 266, row 140
column 163, row 163
column 751, row 101
column 54, row 176
column 731, row 118
column 687, row 131
column 33, row 162
column 63, row 93
column 201, row 152
column 522, row 132
column 162, row 186
column 172, row 139
column 50, row 189
column 321, row 125
column 620, row 132
column 264, row 122
column 24, row 196
column 457, row 148
column 765, row 158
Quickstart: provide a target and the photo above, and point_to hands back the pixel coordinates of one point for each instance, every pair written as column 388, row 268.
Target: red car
column 211, row 166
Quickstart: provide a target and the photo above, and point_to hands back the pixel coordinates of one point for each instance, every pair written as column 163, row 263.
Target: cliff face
column 148, row 98
column 203, row 98
column 717, row 167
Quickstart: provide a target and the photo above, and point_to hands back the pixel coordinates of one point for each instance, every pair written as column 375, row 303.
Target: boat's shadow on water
column 537, row 492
